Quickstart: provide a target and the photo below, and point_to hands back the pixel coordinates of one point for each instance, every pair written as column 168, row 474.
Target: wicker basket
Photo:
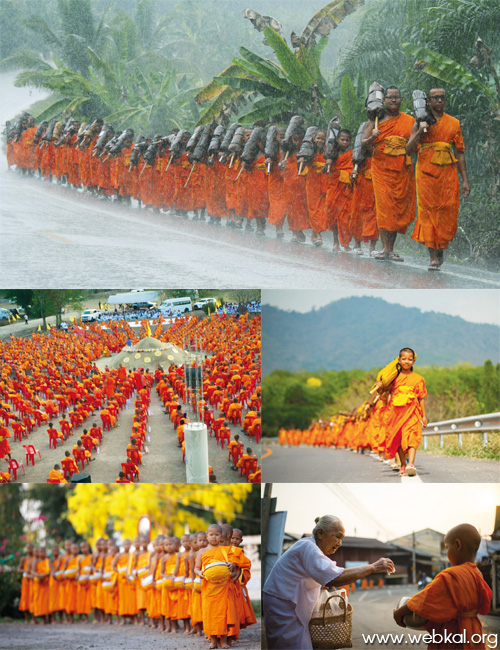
column 329, row 632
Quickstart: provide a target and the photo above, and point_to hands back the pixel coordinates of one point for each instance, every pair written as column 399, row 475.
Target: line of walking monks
column 389, row 424
column 355, row 202
column 44, row 376
column 198, row 581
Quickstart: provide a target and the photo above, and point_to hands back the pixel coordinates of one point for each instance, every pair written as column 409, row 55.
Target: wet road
column 317, row 465
column 47, row 227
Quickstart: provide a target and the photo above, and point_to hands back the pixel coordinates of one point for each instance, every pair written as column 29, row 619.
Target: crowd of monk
column 355, row 202
column 196, row 584
column 389, row 425
column 48, row 375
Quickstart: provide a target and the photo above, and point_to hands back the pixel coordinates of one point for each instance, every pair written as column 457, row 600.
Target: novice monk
column 452, row 601
column 215, row 595
column 407, row 413
column 55, row 476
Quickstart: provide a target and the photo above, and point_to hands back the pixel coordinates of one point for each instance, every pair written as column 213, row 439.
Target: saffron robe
column 404, row 428
column 438, row 188
column 392, row 173
column 451, row 602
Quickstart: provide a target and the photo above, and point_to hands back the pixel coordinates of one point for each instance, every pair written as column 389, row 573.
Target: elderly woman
column 294, row 584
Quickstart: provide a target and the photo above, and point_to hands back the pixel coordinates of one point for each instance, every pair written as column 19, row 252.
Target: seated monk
column 69, row 464
column 55, row 475
column 122, row 478
column 5, row 477
column 133, row 453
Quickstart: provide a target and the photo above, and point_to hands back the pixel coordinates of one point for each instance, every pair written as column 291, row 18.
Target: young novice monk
column 452, row 601
column 407, row 413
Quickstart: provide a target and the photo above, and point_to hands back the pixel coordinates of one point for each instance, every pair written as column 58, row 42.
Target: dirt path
column 163, row 463
column 17, row 636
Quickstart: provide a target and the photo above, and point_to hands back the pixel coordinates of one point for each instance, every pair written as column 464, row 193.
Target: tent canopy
column 133, row 296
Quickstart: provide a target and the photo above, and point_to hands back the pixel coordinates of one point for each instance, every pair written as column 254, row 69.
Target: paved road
column 372, row 612
column 319, row 465
column 46, row 227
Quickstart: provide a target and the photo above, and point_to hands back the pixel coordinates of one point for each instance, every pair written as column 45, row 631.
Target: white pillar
column 196, row 444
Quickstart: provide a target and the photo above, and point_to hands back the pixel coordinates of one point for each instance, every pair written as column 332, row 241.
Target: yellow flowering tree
column 95, row 509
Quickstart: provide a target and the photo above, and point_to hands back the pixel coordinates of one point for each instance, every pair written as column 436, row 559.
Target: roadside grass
column 471, row 447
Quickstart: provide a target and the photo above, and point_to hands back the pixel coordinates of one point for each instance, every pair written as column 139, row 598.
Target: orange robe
column 169, row 598
column 451, row 603
column 404, row 424
column 363, row 218
column 24, row 601
column 183, row 594
column 71, row 584
column 316, row 193
column 295, row 196
column 84, row 591
column 42, row 590
column 183, row 197
column 339, row 196
column 392, row 173
column 258, row 198
column 217, row 606
column 276, row 193
column 54, row 475
column 438, row 188
column 55, row 599
column 141, row 594
column 110, row 597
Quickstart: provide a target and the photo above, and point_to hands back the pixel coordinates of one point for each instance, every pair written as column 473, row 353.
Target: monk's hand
column 384, row 564
column 465, row 189
column 354, row 175
column 424, row 422
column 283, row 163
column 423, row 126
column 378, row 385
column 398, row 615
column 268, row 161
column 375, row 134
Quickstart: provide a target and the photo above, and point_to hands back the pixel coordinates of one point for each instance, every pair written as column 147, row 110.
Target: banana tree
column 291, row 85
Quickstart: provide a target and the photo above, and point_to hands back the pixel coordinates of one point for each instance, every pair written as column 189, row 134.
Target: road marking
column 362, row 596
column 58, row 238
column 269, row 452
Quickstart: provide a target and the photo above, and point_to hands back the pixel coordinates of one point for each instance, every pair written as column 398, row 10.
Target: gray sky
column 474, row 305
column 386, row 511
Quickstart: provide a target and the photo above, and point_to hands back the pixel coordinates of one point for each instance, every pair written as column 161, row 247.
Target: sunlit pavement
column 319, row 465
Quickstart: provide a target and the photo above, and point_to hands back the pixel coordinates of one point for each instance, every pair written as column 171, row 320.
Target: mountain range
column 366, row 333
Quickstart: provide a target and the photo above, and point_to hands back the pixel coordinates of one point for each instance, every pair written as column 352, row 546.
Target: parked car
column 143, row 305
column 4, row 316
column 204, row 301
column 90, row 315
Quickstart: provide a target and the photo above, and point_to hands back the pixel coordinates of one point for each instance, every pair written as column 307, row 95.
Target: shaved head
column 467, row 534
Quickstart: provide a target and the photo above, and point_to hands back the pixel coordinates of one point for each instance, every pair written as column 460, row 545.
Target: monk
column 141, row 566
column 25, row 582
column 126, row 610
column 452, row 601
column 339, row 193
column 56, row 598
column 183, row 595
column 407, row 413
column 42, row 586
column 316, row 189
column 392, row 173
column 69, row 464
column 70, row 574
column 295, row 191
column 56, row 476
column 441, row 150
column 215, row 595
column 277, row 204
column 258, row 198
column 83, row 595
column 363, row 217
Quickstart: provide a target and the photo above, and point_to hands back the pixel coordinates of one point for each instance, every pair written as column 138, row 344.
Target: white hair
column 326, row 523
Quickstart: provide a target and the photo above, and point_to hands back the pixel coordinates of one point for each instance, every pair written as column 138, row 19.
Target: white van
column 182, row 305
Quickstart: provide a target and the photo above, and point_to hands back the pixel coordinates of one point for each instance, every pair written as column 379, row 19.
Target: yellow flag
column 18, row 317
column 48, row 326
column 39, row 328
column 224, row 308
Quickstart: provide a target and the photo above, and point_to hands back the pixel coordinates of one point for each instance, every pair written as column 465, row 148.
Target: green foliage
column 457, row 391
column 41, row 303
column 11, row 540
column 353, row 110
